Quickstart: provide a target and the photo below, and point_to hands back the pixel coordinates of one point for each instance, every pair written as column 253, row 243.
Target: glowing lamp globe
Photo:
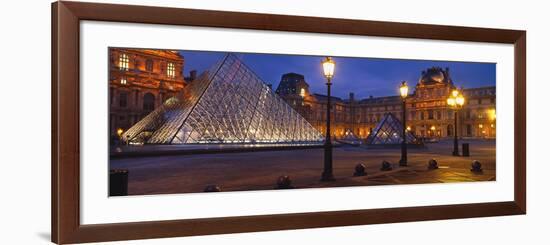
column 328, row 67
column 455, row 93
column 404, row 89
column 460, row 100
column 451, row 101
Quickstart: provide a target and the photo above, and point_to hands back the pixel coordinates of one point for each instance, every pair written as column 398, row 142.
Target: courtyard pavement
column 260, row 170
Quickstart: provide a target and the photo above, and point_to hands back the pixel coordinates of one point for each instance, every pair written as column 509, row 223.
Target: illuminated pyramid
column 388, row 131
column 226, row 104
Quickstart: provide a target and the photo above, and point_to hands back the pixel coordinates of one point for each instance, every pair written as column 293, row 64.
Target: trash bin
column 118, row 182
column 465, row 149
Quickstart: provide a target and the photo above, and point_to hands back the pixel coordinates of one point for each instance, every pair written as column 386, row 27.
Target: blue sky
column 363, row 76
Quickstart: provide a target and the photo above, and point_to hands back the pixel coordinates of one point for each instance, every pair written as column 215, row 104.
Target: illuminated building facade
column 428, row 115
column 140, row 80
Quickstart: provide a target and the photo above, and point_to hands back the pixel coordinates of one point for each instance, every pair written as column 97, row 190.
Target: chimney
column 192, row 75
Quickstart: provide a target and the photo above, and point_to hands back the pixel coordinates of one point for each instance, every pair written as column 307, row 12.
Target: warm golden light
column 480, row 126
column 456, row 99
column 328, row 67
column 171, row 70
column 460, row 100
column 302, row 92
column 455, row 93
column 404, row 89
column 119, row 132
column 432, row 128
column 408, row 128
column 492, row 114
column 451, row 101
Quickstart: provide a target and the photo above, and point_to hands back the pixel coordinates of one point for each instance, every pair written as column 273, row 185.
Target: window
column 148, row 102
column 171, row 70
column 149, row 65
column 123, row 99
column 123, row 62
column 111, row 93
column 430, row 114
column 123, row 81
column 479, row 101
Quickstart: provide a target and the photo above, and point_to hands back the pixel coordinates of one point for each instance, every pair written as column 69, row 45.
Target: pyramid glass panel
column 389, row 131
column 226, row 104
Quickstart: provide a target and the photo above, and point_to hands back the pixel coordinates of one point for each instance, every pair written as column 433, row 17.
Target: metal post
column 327, row 172
column 403, row 161
column 455, row 148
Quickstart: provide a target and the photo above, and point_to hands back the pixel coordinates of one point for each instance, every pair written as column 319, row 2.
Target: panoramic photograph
column 183, row 121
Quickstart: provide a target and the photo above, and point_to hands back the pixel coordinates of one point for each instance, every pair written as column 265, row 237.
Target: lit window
column 123, row 81
column 302, row 92
column 123, row 62
column 171, row 70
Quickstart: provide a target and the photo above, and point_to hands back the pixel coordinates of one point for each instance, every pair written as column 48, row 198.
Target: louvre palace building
column 428, row 115
column 151, row 102
column 140, row 80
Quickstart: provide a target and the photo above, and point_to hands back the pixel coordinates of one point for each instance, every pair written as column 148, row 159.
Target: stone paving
column 260, row 170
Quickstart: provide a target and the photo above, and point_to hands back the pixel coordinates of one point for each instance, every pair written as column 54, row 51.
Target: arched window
column 449, row 130
column 148, row 102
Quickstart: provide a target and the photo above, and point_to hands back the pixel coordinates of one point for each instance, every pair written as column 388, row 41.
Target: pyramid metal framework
column 388, row 131
column 226, row 104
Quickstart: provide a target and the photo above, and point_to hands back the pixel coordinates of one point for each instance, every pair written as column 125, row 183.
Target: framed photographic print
column 176, row 122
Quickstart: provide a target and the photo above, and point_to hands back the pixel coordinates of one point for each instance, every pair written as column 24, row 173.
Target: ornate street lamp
column 328, row 70
column 404, row 90
column 455, row 101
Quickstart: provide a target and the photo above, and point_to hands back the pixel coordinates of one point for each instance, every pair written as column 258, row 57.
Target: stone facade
column 428, row 115
column 139, row 81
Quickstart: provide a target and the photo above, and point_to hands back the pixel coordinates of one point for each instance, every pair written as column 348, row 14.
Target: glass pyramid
column 226, row 104
column 388, row 131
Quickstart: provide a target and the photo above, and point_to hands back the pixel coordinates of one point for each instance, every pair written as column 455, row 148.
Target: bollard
column 360, row 170
column 386, row 166
column 476, row 167
column 432, row 164
column 465, row 149
column 118, row 182
column 284, row 182
column 212, row 188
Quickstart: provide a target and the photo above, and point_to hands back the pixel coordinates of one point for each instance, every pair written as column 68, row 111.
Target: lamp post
column 328, row 71
column 455, row 101
column 404, row 90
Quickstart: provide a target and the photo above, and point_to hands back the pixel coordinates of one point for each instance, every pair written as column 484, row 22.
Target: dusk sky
column 363, row 76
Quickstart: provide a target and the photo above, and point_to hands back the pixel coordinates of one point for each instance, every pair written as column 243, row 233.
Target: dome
column 434, row 75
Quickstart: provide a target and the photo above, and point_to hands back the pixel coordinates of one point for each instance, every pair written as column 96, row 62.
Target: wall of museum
column 139, row 82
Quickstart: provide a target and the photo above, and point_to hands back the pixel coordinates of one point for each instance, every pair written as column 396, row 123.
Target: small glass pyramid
column 389, row 131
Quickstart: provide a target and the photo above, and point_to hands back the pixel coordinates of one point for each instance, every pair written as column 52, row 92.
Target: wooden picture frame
column 66, row 226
